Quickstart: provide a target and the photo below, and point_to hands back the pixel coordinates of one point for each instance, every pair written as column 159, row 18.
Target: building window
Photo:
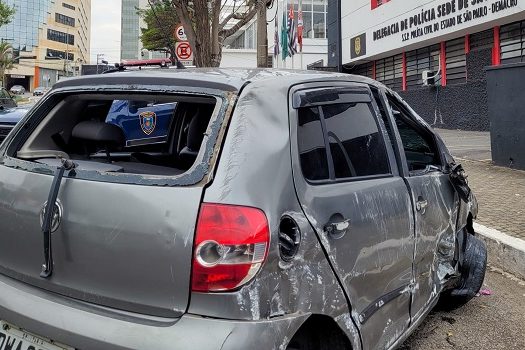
column 375, row 3
column 61, row 37
column 456, row 61
column 365, row 69
column 512, row 37
column 314, row 18
column 60, row 18
column 50, row 53
column 482, row 40
column 71, row 7
column 389, row 71
column 419, row 60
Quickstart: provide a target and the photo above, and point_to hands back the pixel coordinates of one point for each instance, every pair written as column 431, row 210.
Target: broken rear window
column 141, row 134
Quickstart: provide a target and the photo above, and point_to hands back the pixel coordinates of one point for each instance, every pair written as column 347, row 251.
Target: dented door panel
column 435, row 237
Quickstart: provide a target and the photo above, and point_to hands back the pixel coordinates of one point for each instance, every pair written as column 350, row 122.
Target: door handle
column 421, row 205
column 337, row 226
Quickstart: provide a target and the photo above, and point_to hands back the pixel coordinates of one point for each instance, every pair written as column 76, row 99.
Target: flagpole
column 293, row 24
column 300, row 10
column 285, row 7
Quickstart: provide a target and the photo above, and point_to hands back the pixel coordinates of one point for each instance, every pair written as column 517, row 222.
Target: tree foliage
column 6, row 59
column 207, row 24
column 6, row 13
column 161, row 22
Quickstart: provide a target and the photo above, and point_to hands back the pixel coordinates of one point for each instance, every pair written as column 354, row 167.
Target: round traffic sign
column 180, row 33
column 184, row 51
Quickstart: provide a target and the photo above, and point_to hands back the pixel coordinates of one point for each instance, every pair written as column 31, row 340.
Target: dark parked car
column 285, row 210
column 10, row 113
column 41, row 91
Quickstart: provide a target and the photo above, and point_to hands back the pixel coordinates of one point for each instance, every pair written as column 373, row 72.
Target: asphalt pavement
column 492, row 322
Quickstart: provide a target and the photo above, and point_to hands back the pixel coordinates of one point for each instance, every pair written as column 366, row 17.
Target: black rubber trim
column 379, row 303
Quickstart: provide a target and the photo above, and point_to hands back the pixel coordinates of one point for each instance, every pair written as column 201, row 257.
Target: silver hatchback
column 284, row 210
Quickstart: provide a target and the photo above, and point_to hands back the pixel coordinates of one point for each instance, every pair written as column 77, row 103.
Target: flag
column 292, row 33
column 300, row 26
column 276, row 48
column 284, row 37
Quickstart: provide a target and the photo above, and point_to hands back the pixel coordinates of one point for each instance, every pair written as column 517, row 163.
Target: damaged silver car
column 285, row 210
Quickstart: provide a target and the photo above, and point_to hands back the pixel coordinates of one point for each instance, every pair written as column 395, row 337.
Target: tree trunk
column 262, row 38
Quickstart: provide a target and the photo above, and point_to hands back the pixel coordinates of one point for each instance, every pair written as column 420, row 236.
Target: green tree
column 161, row 22
column 6, row 13
column 207, row 24
column 6, row 59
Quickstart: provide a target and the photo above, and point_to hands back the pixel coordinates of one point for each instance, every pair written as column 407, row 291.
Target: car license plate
column 12, row 337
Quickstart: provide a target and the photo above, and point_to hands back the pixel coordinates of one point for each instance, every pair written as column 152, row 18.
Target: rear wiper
column 47, row 267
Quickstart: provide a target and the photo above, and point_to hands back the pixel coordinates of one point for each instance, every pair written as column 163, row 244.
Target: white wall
column 357, row 18
column 237, row 58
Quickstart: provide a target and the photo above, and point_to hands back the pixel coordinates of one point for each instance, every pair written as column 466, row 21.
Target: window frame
column 347, row 88
column 415, row 122
column 198, row 174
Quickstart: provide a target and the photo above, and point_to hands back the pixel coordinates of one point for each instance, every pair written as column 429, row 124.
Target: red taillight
column 231, row 244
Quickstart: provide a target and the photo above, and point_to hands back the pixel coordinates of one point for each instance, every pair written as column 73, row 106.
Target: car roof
column 228, row 79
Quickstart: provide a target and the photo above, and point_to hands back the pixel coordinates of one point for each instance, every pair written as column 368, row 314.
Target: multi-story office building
column 130, row 45
column 50, row 39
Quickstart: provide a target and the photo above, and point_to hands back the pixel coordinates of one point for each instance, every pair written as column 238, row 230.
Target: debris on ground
column 484, row 291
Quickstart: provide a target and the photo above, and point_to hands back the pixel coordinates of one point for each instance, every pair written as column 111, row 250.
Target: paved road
column 487, row 322
column 472, row 145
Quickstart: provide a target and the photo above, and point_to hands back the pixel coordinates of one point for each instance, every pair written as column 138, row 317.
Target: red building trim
column 404, row 71
column 375, row 3
column 467, row 43
column 374, row 70
column 443, row 62
column 496, row 48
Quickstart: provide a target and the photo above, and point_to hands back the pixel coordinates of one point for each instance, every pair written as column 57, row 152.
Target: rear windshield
column 142, row 134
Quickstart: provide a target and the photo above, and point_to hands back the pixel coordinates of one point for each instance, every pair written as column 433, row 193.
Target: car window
column 418, row 144
column 312, row 150
column 356, row 144
column 351, row 133
column 86, row 129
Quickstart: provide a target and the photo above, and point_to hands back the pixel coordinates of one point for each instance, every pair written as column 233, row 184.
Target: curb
column 504, row 251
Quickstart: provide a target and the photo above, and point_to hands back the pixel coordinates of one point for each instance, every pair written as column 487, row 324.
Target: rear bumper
column 86, row 327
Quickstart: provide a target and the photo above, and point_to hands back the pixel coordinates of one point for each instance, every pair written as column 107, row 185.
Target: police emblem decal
column 357, row 46
column 148, row 121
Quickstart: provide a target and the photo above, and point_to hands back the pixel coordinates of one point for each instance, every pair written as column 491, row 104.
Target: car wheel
column 472, row 275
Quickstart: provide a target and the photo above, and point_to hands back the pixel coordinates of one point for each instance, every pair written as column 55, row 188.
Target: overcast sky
column 105, row 30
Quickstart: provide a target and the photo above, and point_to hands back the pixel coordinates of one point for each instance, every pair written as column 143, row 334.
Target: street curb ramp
column 504, row 251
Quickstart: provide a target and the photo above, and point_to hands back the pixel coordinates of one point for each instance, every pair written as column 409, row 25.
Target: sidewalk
column 501, row 196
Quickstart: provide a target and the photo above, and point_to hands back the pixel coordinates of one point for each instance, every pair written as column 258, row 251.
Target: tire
column 472, row 276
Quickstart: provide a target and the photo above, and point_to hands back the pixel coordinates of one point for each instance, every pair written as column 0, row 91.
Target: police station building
column 433, row 52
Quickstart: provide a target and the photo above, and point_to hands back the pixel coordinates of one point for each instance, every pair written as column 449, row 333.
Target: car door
column 349, row 187
column 435, row 203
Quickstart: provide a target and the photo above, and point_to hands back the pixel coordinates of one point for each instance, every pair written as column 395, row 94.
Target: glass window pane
column 319, row 25
column 356, row 144
column 312, row 151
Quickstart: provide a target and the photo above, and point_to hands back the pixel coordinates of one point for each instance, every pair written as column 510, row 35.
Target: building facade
column 241, row 49
column 50, row 39
column 451, row 42
column 130, row 44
